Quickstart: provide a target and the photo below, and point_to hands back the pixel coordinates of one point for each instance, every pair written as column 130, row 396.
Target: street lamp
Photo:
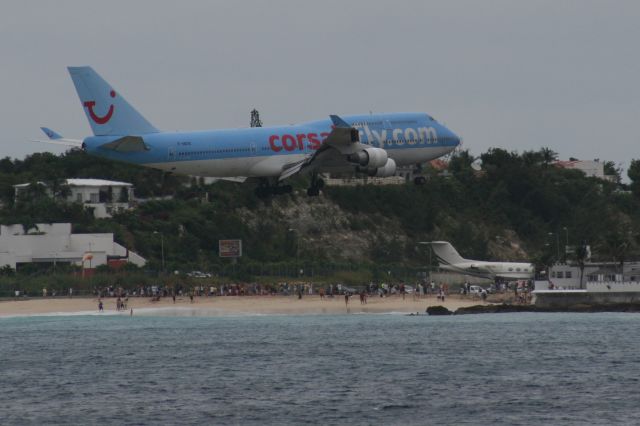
column 161, row 247
column 557, row 245
column 427, row 243
column 295, row 231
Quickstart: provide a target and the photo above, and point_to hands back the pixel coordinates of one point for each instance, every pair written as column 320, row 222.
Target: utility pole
column 255, row 118
column 161, row 247
column 295, row 232
column 551, row 234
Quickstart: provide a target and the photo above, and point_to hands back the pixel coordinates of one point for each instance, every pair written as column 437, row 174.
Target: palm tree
column 581, row 254
column 548, row 156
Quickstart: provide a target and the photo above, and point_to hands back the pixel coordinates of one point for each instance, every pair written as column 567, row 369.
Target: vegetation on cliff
column 520, row 206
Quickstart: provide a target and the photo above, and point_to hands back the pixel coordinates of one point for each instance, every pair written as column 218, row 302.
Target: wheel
column 419, row 180
column 279, row 190
column 313, row 192
column 262, row 191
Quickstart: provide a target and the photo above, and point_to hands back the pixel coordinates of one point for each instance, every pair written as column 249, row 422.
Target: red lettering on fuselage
column 293, row 142
column 300, row 137
column 314, row 142
column 288, row 142
column 272, row 143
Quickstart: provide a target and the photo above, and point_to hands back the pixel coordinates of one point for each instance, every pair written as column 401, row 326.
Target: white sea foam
column 63, row 314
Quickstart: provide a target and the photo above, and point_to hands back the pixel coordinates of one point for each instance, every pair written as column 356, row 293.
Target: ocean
column 512, row 369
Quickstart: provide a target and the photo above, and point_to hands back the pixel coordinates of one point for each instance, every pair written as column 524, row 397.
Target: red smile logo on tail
column 105, row 118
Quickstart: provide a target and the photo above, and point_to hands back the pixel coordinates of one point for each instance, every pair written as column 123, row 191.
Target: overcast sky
column 511, row 74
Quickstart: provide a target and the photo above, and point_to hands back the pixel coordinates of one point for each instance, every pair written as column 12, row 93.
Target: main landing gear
column 317, row 184
column 265, row 189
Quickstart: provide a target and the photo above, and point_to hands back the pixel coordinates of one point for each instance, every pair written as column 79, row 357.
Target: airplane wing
column 57, row 139
column 343, row 138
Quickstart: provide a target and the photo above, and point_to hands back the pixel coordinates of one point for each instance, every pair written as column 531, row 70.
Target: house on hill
column 593, row 168
column 105, row 197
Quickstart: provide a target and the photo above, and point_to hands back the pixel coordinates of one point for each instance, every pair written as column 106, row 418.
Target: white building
column 566, row 276
column 105, row 197
column 590, row 168
column 55, row 243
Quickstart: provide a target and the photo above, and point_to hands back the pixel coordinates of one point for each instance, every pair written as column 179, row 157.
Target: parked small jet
column 371, row 144
column 450, row 260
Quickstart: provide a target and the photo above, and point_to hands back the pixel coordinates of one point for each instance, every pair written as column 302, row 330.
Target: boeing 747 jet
column 371, row 144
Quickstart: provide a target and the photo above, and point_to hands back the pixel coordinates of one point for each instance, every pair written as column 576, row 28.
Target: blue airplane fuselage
column 408, row 138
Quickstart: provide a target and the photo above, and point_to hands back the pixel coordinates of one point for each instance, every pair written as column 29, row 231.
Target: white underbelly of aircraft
column 229, row 167
column 407, row 156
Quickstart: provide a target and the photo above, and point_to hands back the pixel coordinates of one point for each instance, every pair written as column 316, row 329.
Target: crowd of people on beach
column 421, row 289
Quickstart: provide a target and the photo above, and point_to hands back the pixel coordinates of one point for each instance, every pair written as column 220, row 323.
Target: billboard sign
column 230, row 248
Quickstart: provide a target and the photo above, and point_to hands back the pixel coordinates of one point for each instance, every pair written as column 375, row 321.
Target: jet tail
column 445, row 253
column 107, row 111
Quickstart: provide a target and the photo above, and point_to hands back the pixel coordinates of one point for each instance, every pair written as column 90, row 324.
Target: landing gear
column 317, row 183
column 266, row 189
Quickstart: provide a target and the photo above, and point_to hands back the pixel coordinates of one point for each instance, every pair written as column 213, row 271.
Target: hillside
column 516, row 208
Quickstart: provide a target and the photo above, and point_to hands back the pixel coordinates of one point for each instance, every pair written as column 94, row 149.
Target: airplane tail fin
column 107, row 111
column 445, row 253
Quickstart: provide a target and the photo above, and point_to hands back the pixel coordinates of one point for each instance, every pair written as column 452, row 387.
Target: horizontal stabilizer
column 56, row 138
column 127, row 144
column 51, row 134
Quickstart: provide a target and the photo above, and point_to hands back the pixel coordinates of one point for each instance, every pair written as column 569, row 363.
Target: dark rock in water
column 498, row 309
column 495, row 309
column 438, row 310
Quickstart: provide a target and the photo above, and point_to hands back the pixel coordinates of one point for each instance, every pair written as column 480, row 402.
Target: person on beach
column 346, row 299
column 321, row 292
column 100, row 306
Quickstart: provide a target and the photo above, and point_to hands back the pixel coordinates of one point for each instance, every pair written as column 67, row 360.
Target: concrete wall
column 564, row 299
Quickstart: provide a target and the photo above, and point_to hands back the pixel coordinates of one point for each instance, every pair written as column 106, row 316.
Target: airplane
column 369, row 144
column 450, row 260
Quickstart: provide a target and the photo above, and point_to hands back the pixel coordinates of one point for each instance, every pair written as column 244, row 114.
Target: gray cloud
column 516, row 75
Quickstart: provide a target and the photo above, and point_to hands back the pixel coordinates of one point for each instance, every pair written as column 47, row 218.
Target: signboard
column 230, row 248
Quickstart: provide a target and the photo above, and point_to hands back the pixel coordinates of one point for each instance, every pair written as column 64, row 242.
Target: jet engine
column 371, row 158
column 389, row 169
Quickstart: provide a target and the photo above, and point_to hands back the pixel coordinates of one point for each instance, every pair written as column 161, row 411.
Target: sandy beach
column 229, row 305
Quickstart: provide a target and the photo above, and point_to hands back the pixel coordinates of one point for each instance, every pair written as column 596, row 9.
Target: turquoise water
column 526, row 369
